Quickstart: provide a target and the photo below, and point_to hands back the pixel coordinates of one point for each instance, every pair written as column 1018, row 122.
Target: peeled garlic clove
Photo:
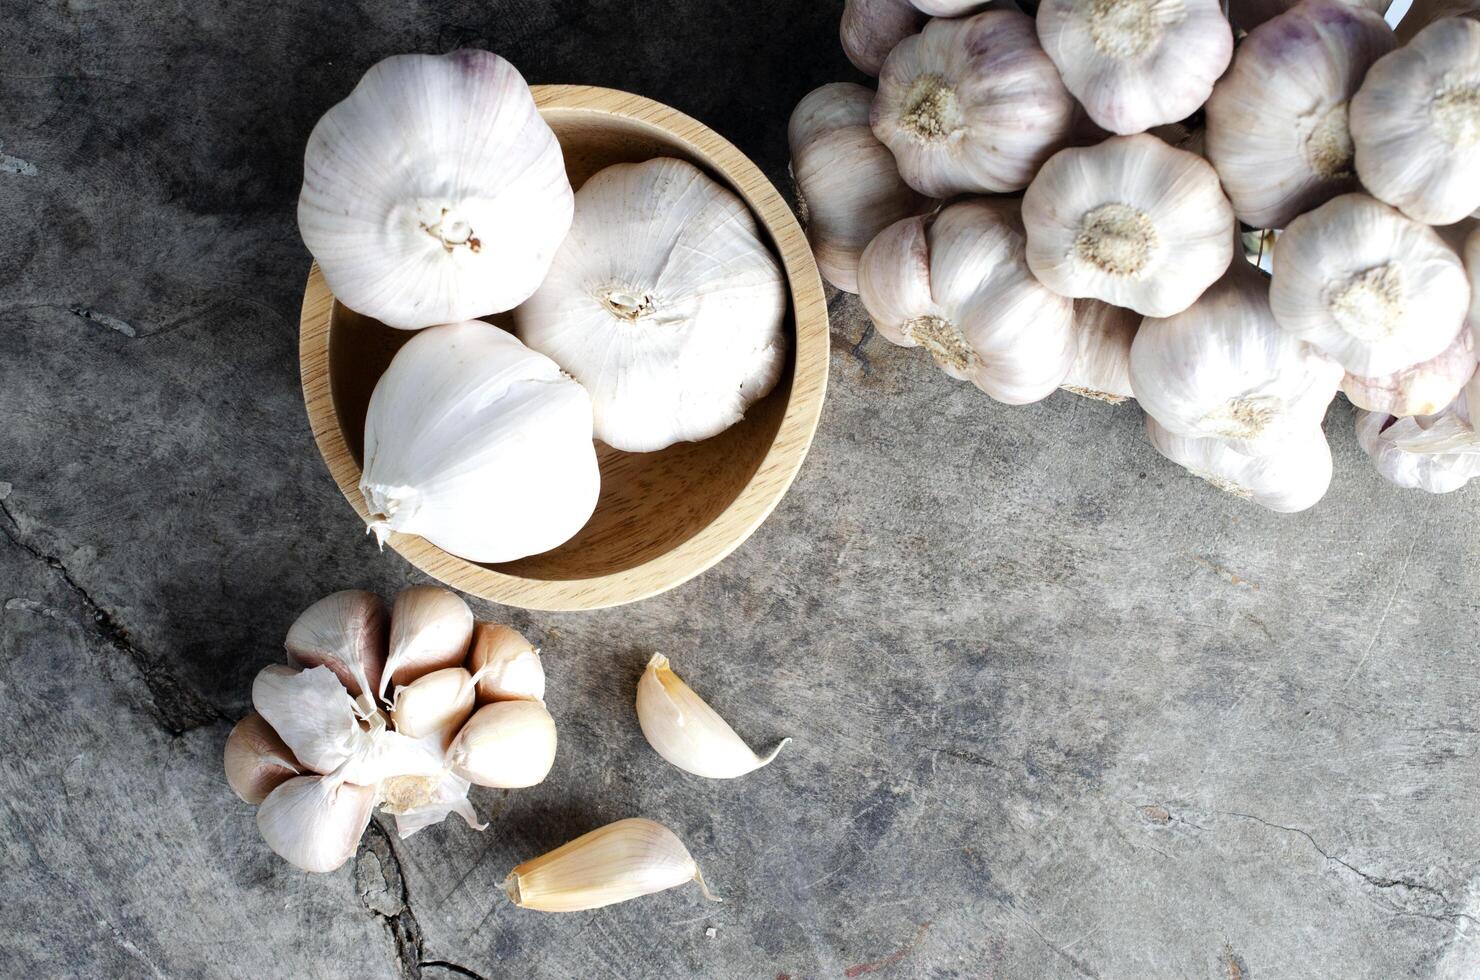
column 480, row 445
column 665, row 303
column 1373, row 289
column 506, row 665
column 422, row 801
column 1415, row 123
column 870, row 29
column 1421, row 389
column 506, row 745
column 432, row 702
column 1289, row 480
column 848, row 184
column 435, row 192
column 971, row 105
column 688, row 732
column 257, row 761
column 615, row 863
column 1102, row 363
column 1277, row 121
column 315, row 822
column 345, row 632
column 957, row 284
column 311, row 712
column 1135, row 64
column 1132, row 222
column 430, row 629
column 1437, row 453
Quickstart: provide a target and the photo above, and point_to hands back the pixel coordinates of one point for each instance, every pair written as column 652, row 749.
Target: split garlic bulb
column 1438, row 453
column 870, row 29
column 971, row 105
column 664, row 303
column 1277, row 121
column 478, row 444
column 848, row 185
column 1415, row 123
column 1375, row 290
column 1223, row 369
column 1130, row 221
column 686, row 731
column 434, row 192
column 1104, row 334
column 1420, row 389
column 1134, row 64
column 957, row 284
column 1289, row 480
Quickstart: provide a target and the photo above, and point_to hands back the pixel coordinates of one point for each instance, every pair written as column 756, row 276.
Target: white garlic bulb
column 971, row 105
column 1289, row 480
column 1438, row 453
column 848, row 184
column 315, row 822
column 1130, row 221
column 664, row 303
column 479, row 445
column 506, row 744
column 957, row 284
column 1104, row 334
column 506, row 666
column 952, row 8
column 870, row 29
column 1249, row 14
column 1420, row 389
column 1375, row 290
column 1277, row 121
column 1134, row 64
column 344, row 631
column 1223, row 369
column 1415, row 123
column 430, row 629
column 686, row 731
column 434, row 192
column 257, row 761
column 1471, row 256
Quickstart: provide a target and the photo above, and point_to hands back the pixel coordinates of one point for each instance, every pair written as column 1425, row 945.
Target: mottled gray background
column 1059, row 709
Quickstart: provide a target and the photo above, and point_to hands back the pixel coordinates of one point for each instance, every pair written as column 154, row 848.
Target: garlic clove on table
column 506, row 745
column 257, row 761
column 686, row 731
column 870, row 29
column 344, row 631
column 1289, row 480
column 1103, row 334
column 315, row 822
column 433, row 702
column 507, row 666
column 430, row 629
column 1420, row 389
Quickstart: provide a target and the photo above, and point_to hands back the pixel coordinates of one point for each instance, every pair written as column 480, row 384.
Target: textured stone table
column 1059, row 709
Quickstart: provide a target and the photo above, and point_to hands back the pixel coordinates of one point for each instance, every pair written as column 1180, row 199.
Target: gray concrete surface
column 1059, row 710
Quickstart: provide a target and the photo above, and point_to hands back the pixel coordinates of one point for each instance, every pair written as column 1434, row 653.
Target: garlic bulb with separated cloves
column 664, row 303
column 257, row 760
column 1289, row 480
column 1420, row 389
column 345, row 632
column 971, row 105
column 1130, row 221
column 478, row 444
column 1134, row 64
column 956, row 283
column 686, row 731
column 848, row 185
column 1438, row 453
column 506, row 744
column 1368, row 286
column 615, row 863
column 1277, row 121
column 870, row 29
column 430, row 630
column 1104, row 334
column 434, row 192
column 506, row 666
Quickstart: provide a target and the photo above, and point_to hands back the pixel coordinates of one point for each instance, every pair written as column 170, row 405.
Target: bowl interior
column 650, row 502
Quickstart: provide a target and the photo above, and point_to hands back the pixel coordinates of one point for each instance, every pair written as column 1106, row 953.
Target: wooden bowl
column 662, row 517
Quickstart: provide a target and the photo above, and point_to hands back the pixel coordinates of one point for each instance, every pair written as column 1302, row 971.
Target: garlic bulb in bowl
column 971, row 105
column 1102, row 364
column 1130, row 221
column 1134, row 64
column 957, row 284
column 1419, row 389
column 869, row 30
column 1438, row 453
column 434, row 192
column 479, row 445
column 664, row 303
column 1288, row 480
column 1277, row 121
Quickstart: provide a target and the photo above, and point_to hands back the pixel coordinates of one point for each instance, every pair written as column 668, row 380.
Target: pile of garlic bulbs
column 1135, row 146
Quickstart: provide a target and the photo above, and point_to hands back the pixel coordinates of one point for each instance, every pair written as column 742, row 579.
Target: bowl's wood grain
column 662, row 517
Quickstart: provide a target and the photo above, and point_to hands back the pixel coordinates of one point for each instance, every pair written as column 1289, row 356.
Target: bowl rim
column 760, row 495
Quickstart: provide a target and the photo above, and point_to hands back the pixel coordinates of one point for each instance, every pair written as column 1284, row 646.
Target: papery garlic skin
column 686, row 731
column 480, row 445
column 1368, row 286
column 1277, row 128
column 311, row 712
column 1135, row 64
column 1290, row 480
column 664, row 303
column 971, row 105
column 433, row 702
column 1104, row 334
column 430, row 629
column 1420, row 389
column 870, row 29
column 344, row 631
column 507, row 666
column 315, row 822
column 506, row 745
column 1437, row 453
column 1415, row 123
column 1131, row 221
column 435, row 192
column 615, row 863
column 256, row 760
column 848, row 183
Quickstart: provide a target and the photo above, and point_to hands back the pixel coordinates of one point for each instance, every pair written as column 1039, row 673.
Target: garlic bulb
column 434, row 192
column 433, row 702
column 615, row 863
column 1223, row 369
column 345, row 632
column 257, row 761
column 1375, row 290
column 1249, row 14
column 1135, row 64
column 1438, row 453
column 1415, row 123
column 1102, row 362
column 1289, row 480
column 315, row 822
column 1421, row 389
column 870, row 29
column 953, row 8
column 848, row 185
column 479, row 445
column 1471, row 253
column 957, row 285
column 686, row 731
column 1132, row 222
column 664, row 303
column 1277, row 121
column 506, row 665
column 430, row 629
column 418, row 802
column 506, row 744
column 971, row 105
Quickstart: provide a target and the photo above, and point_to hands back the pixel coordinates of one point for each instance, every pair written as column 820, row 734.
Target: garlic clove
column 870, row 29
column 433, row 702
column 344, row 631
column 1437, row 453
column 1104, row 334
column 1289, row 480
column 506, row 665
column 315, row 822
column 506, row 745
column 430, row 629
column 311, row 712
column 418, row 802
column 686, row 731
column 615, row 863
column 256, row 759
column 1421, row 389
